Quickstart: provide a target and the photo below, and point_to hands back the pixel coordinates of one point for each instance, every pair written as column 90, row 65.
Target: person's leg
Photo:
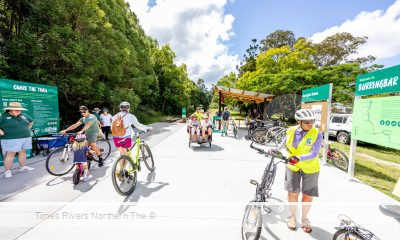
column 309, row 191
column 22, row 158
column 203, row 132
column 8, row 160
column 292, row 185
column 107, row 131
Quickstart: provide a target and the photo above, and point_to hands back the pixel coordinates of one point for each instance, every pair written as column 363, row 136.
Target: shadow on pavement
column 143, row 189
column 204, row 148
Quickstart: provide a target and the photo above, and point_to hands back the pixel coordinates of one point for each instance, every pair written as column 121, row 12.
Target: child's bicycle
column 125, row 168
column 79, row 169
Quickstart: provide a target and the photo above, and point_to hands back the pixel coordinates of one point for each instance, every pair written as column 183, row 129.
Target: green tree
column 277, row 39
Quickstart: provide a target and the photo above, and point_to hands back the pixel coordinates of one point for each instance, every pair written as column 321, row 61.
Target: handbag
column 117, row 127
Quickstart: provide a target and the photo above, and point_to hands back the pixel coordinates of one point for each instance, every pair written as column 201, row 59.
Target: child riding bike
column 81, row 150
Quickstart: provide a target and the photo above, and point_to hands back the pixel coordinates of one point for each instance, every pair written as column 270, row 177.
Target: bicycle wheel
column 105, row 148
column 147, row 156
column 342, row 234
column 252, row 222
column 259, row 135
column 339, row 159
column 60, row 161
column 123, row 175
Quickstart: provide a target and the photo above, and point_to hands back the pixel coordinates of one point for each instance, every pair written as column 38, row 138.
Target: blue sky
column 258, row 18
column 210, row 36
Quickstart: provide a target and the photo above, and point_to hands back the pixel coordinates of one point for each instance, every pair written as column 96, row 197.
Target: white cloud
column 382, row 27
column 196, row 30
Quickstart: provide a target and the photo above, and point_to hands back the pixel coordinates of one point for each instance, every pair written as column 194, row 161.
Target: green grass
column 386, row 154
column 378, row 176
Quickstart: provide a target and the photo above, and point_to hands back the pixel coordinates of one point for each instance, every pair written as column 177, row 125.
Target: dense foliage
column 285, row 65
column 97, row 54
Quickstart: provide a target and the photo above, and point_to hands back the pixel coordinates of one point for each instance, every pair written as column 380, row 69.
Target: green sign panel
column 381, row 81
column 183, row 112
column 41, row 102
column 377, row 121
column 319, row 93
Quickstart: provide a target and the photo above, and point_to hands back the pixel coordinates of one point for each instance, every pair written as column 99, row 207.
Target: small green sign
column 183, row 112
column 319, row 93
column 41, row 102
column 381, row 81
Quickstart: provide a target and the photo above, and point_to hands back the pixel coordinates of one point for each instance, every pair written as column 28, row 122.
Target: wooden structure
column 241, row 95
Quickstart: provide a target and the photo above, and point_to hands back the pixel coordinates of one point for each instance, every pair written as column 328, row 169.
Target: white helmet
column 304, row 115
column 124, row 105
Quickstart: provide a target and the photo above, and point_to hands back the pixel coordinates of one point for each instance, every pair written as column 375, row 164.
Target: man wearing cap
column 96, row 112
column 15, row 136
column 91, row 130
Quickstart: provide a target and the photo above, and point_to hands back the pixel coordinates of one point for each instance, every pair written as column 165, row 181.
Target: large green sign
column 40, row 100
column 319, row 93
column 381, row 81
column 377, row 121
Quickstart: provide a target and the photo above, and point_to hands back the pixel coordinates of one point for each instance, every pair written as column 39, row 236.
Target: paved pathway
column 194, row 193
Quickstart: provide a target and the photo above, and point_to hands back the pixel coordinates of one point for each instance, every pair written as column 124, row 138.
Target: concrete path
column 194, row 193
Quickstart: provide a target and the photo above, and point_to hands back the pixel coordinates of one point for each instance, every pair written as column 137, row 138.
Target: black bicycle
column 252, row 219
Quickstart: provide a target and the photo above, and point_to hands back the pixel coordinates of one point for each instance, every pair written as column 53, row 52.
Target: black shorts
column 301, row 182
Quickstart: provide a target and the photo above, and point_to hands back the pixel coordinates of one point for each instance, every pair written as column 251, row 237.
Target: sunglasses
column 308, row 122
column 82, row 111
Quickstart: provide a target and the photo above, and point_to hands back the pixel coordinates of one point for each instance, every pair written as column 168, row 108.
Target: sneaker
column 85, row 176
column 25, row 169
column 7, row 174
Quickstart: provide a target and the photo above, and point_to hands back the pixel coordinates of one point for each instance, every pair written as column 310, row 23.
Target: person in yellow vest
column 199, row 114
column 303, row 143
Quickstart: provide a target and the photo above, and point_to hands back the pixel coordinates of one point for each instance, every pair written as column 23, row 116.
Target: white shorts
column 16, row 145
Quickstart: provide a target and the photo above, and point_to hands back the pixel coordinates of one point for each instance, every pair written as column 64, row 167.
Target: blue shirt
column 80, row 155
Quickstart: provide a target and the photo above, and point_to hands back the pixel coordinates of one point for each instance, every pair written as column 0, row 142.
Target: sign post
column 376, row 120
column 319, row 100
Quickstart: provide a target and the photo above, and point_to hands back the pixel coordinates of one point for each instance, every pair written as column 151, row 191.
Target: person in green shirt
column 199, row 114
column 15, row 136
column 96, row 112
column 91, row 130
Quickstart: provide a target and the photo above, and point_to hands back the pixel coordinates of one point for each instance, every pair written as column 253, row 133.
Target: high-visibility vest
column 304, row 147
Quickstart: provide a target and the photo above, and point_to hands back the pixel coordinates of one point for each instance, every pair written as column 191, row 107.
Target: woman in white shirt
column 206, row 127
column 124, row 142
column 105, row 121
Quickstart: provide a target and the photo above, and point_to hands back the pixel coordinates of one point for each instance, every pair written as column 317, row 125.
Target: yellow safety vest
column 304, row 147
column 199, row 116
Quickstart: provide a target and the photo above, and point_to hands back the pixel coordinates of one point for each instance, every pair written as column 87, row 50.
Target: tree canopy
column 97, row 54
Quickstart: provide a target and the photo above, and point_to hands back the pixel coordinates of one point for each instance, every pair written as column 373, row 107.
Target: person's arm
column 72, row 127
column 314, row 150
column 138, row 125
column 281, row 145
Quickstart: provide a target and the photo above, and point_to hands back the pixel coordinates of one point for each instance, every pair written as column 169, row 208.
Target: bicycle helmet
column 124, row 105
column 304, row 115
column 80, row 137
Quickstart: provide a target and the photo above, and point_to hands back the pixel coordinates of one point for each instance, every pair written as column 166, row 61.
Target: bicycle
column 125, row 168
column 252, row 219
column 79, row 169
column 338, row 158
column 349, row 230
column 60, row 160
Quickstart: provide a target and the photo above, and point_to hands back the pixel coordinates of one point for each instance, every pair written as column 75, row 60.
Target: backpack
column 117, row 127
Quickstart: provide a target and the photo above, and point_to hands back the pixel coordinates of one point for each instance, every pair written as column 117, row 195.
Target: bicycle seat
column 390, row 210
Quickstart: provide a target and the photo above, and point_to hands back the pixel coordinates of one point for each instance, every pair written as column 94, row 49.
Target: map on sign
column 377, row 121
